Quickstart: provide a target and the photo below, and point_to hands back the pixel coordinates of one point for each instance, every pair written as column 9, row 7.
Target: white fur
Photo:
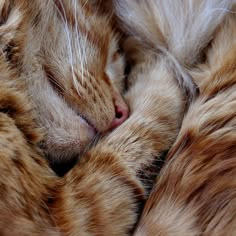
column 179, row 29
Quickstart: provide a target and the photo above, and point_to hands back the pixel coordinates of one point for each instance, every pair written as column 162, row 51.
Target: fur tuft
column 178, row 29
column 195, row 192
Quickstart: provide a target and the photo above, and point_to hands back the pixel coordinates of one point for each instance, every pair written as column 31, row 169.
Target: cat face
column 74, row 74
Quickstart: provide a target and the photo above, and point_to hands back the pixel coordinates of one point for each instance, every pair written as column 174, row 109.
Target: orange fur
column 101, row 195
column 64, row 52
column 196, row 191
column 103, row 192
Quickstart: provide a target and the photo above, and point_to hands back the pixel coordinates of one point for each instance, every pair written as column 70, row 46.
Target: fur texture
column 196, row 191
column 68, row 56
column 103, row 192
column 180, row 30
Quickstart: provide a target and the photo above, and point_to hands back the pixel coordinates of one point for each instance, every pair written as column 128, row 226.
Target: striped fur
column 68, row 56
column 102, row 194
column 196, row 191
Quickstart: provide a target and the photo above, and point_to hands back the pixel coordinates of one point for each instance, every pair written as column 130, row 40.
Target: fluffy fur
column 68, row 56
column 180, row 30
column 103, row 192
column 196, row 191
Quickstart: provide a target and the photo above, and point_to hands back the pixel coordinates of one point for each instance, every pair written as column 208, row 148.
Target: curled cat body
column 197, row 189
column 195, row 193
column 102, row 194
column 67, row 54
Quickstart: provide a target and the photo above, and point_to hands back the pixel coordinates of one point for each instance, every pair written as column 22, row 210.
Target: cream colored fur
column 101, row 195
column 196, row 192
column 178, row 29
column 103, row 192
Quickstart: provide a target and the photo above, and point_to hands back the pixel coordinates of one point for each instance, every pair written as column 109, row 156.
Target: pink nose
column 122, row 113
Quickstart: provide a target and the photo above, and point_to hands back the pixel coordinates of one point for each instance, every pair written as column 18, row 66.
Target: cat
column 197, row 189
column 68, row 55
column 102, row 194
column 195, row 193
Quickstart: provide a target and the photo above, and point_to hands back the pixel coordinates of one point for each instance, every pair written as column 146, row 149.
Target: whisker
column 78, row 41
column 69, row 40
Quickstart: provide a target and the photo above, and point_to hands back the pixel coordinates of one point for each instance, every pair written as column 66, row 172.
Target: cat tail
column 179, row 29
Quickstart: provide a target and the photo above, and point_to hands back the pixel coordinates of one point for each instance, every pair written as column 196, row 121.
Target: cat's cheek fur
column 66, row 134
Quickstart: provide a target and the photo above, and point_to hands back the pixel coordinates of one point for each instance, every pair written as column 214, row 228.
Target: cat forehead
column 82, row 18
column 87, row 31
column 82, row 39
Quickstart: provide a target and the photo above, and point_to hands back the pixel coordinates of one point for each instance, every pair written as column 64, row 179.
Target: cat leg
column 103, row 193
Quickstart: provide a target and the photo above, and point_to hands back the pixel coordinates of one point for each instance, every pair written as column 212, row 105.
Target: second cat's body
column 195, row 193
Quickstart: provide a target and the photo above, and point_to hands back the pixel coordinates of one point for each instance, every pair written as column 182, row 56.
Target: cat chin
column 64, row 144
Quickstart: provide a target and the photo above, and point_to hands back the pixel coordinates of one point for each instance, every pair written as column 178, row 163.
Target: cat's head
column 74, row 72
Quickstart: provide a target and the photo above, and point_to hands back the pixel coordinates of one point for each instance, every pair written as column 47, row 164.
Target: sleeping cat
column 68, row 55
column 102, row 193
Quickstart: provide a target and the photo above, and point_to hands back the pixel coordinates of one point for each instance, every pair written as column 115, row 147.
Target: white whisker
column 69, row 40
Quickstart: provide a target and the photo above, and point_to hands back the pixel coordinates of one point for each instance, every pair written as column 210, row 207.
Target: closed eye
column 53, row 81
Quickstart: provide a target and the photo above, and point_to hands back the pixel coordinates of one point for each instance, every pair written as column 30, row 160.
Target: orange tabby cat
column 68, row 55
column 195, row 193
column 103, row 192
